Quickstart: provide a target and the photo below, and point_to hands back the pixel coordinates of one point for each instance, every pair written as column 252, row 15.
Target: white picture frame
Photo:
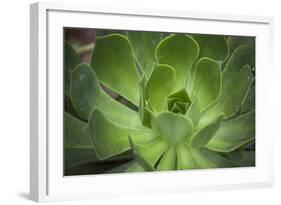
column 47, row 182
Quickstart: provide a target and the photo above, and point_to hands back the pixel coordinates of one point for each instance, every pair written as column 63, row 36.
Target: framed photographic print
column 127, row 102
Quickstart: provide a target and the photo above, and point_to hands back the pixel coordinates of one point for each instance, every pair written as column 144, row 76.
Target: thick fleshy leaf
column 208, row 80
column 174, row 128
column 113, row 62
column 178, row 108
column 207, row 159
column 184, row 158
column 234, row 133
column 159, row 86
column 168, row 160
column 180, row 95
column 242, row 158
column 148, row 154
column 249, row 101
column 232, row 95
column 183, row 106
column 135, row 167
column 180, row 98
column 110, row 139
column 78, row 147
column 75, row 133
column 85, row 161
column 200, row 160
column 212, row 46
column 193, row 112
column 190, row 158
column 243, row 55
column 74, row 157
column 68, row 106
column 144, row 44
column 236, row 41
column 235, row 90
column 86, row 94
column 70, row 59
column 204, row 134
column 219, row 161
column 122, row 168
column 179, row 51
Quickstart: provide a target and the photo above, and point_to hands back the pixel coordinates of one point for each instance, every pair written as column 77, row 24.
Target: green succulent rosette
column 188, row 103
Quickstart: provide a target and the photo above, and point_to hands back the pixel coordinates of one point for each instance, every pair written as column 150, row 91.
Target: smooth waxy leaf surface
column 200, row 160
column 234, row 133
column 249, row 101
column 236, row 41
column 179, row 107
column 179, row 99
column 75, row 133
column 212, row 46
column 86, row 94
column 114, row 64
column 233, row 93
column 204, row 134
column 190, row 158
column 242, row 158
column 173, row 128
column 148, row 154
column 144, row 45
column 135, row 167
column 78, row 147
column 110, row 139
column 168, row 160
column 85, row 161
column 71, row 60
column 207, row 83
column 94, row 166
column 241, row 56
column 235, row 90
column 184, row 158
column 207, row 159
column 159, row 86
column 180, row 52
column 193, row 112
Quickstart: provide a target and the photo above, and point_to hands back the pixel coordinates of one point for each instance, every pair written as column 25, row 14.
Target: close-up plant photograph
column 141, row 101
column 149, row 102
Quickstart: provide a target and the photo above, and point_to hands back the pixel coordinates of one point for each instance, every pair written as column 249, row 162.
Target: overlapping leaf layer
column 189, row 103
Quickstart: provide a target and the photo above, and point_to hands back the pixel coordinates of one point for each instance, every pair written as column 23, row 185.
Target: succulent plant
column 152, row 101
